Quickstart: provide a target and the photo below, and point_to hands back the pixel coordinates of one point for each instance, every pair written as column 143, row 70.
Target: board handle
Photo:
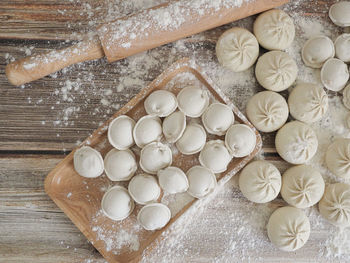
column 35, row 67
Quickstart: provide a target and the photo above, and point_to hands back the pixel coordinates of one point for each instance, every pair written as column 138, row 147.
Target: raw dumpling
column 302, row 186
column 144, row 189
column 148, row 129
column 346, row 97
column 193, row 139
column 237, row 49
column 117, row 203
column 120, row 165
column 160, row 103
column 88, row 162
column 154, row 216
column 334, row 74
column 317, row 50
column 217, row 118
column 120, row 132
column 274, row 30
column 335, row 204
column 339, row 13
column 201, row 181
column 260, row 182
column 276, row 71
column 240, row 140
column 288, row 228
column 155, row 156
column 173, row 180
column 267, row 111
column 308, row 102
column 174, row 126
column 338, row 158
column 193, row 101
column 342, row 47
column 296, row 142
column 215, row 156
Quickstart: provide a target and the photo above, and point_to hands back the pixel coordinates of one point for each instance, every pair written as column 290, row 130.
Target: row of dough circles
column 301, row 186
column 154, row 136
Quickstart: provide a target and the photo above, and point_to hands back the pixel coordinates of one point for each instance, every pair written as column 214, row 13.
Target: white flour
column 239, row 233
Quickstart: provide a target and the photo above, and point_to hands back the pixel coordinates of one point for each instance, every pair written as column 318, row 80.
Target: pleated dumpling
column 288, row 228
column 335, row 204
column 308, row 102
column 267, row 111
column 276, row 71
column 237, row 49
column 274, row 30
column 338, row 158
column 260, row 182
column 302, row 186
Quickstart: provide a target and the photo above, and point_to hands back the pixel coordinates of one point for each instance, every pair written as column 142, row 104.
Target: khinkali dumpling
column 267, row 111
column 308, row 102
column 342, row 47
column 288, row 228
column 274, row 30
column 260, row 182
column 338, row 158
column 276, row 71
column 237, row 49
column 317, row 50
column 302, row 186
column 335, row 204
column 296, row 142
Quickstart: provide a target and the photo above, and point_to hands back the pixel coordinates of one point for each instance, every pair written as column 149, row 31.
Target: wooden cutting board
column 80, row 198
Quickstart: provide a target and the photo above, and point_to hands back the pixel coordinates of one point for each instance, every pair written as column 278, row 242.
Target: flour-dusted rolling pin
column 142, row 31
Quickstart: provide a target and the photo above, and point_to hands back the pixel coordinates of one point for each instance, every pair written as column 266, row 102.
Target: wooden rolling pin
column 139, row 32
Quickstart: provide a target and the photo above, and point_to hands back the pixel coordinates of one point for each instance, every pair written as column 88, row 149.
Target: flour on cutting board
column 239, row 225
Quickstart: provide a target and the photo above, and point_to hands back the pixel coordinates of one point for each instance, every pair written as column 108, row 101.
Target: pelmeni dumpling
column 240, row 140
column 193, row 139
column 274, row 30
column 334, row 74
column 260, row 182
column 144, row 189
column 201, row 181
column 88, row 162
column 215, row 156
column 120, row 132
column 148, row 129
column 172, row 180
column 276, row 71
column 174, row 126
column 308, row 102
column 302, row 186
column 296, row 142
column 335, row 204
column 342, row 47
column 339, row 13
column 346, row 96
column 267, row 111
column 117, row 203
column 193, row 101
column 338, row 158
column 155, row 156
column 237, row 49
column 120, row 165
column 160, row 103
column 317, row 50
column 154, row 216
column 217, row 118
column 288, row 228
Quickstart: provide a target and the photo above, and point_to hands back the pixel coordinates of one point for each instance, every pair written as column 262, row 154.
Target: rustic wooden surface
column 34, row 136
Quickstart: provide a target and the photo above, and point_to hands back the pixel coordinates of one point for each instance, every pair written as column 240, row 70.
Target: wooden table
column 37, row 130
